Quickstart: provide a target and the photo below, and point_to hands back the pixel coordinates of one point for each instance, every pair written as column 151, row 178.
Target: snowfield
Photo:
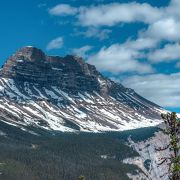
column 52, row 108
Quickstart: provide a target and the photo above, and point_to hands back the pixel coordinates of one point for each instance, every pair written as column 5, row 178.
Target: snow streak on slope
column 50, row 107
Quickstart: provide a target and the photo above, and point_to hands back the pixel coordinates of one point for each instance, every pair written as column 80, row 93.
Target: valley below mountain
column 51, row 155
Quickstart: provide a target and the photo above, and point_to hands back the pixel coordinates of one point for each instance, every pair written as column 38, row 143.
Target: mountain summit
column 67, row 94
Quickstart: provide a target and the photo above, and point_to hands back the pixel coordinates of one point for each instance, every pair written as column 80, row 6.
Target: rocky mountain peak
column 67, row 94
column 30, row 64
column 30, row 53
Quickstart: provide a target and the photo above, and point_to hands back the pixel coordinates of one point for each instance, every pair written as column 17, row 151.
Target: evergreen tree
column 173, row 131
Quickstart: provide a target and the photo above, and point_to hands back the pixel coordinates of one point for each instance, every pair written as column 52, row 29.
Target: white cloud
column 164, row 22
column 55, row 43
column 82, row 52
column 167, row 27
column 94, row 32
column 173, row 8
column 170, row 52
column 159, row 88
column 63, row 10
column 164, row 29
column 113, row 13
column 141, row 43
column 120, row 58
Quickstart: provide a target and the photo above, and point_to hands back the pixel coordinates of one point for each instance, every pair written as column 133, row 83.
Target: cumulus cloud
column 55, row 43
column 109, row 14
column 120, row 58
column 82, row 51
column 62, row 10
column 171, row 52
column 159, row 88
column 94, row 32
column 113, row 13
column 165, row 29
column 173, row 8
column 164, row 22
column 141, row 43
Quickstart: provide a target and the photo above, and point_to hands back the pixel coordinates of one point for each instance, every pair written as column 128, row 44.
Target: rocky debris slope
column 67, row 94
column 150, row 158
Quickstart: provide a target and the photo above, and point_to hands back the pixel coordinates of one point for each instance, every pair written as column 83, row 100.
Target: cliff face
column 150, row 160
column 32, row 65
column 65, row 93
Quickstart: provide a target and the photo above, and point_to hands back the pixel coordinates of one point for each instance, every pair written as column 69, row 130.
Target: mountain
column 67, row 94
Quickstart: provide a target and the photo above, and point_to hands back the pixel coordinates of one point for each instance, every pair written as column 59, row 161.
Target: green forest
column 65, row 156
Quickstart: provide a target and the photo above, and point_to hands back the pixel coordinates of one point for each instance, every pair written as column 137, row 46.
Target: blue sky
column 134, row 42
